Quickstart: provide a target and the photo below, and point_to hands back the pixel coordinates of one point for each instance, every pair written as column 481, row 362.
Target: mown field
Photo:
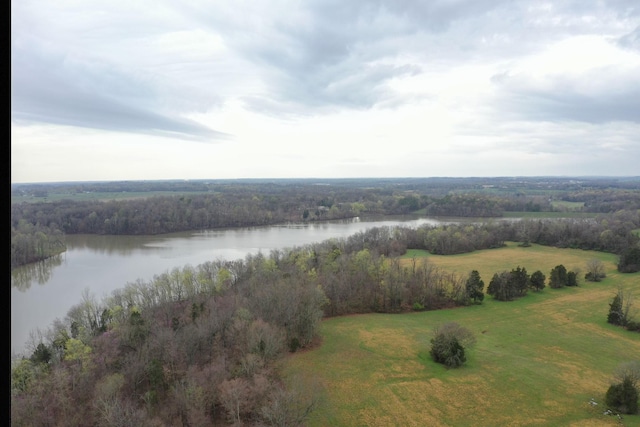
column 538, row 360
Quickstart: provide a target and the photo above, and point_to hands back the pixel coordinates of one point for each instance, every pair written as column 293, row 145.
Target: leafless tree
column 595, row 270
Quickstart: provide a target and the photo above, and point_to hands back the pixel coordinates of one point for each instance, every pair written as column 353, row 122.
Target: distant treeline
column 256, row 203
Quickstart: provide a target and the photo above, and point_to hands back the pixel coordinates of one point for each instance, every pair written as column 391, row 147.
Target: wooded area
column 37, row 225
column 200, row 345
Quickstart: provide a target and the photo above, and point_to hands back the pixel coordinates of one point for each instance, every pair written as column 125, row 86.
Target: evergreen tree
column 623, row 397
column 629, row 260
column 448, row 351
column 536, row 281
column 499, row 287
column 475, row 286
column 572, row 278
column 448, row 344
column 519, row 281
column 558, row 277
column 615, row 311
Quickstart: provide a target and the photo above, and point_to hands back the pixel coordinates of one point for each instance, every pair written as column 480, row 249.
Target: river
column 45, row 291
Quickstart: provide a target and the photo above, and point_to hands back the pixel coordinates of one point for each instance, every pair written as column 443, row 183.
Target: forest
column 203, row 345
column 41, row 214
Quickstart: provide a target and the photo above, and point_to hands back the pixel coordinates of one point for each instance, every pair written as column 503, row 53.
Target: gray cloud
column 631, row 40
column 562, row 99
column 49, row 86
column 318, row 56
column 324, row 66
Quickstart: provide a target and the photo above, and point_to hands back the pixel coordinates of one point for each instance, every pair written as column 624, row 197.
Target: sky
column 198, row 89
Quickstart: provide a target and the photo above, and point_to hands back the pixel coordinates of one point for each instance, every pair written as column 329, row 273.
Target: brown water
column 44, row 291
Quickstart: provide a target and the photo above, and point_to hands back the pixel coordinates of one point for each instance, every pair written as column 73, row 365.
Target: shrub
column 448, row 351
column 417, row 306
column 448, row 344
column 629, row 261
column 623, row 397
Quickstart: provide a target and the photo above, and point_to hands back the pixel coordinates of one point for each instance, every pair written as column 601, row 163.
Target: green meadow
column 98, row 196
column 538, row 361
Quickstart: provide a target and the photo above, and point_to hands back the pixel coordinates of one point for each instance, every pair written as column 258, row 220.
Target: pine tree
column 615, row 316
column 623, row 397
column 558, row 277
column 475, row 286
column 536, row 281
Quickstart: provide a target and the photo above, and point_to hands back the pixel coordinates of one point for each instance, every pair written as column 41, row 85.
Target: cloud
column 57, row 84
column 631, row 40
column 584, row 78
column 443, row 82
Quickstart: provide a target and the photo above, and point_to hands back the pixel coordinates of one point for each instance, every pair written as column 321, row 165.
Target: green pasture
column 563, row 204
column 538, row 361
column 536, row 215
column 100, row 196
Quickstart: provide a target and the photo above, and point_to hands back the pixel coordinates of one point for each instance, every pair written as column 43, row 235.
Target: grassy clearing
column 538, row 360
column 553, row 215
column 563, row 204
column 100, row 196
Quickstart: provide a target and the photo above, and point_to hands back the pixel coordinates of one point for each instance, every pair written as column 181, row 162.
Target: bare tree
column 233, row 397
column 628, row 370
column 291, row 406
column 595, row 270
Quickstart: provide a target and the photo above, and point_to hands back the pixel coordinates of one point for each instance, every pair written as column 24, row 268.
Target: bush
column 623, row 397
column 629, row 261
column 633, row 326
column 294, row 344
column 448, row 351
column 448, row 344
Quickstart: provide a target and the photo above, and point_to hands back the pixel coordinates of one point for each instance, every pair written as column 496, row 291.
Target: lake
column 45, row 291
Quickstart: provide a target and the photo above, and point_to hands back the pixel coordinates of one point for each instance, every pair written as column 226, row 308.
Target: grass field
column 567, row 205
column 537, row 361
column 536, row 215
column 100, row 196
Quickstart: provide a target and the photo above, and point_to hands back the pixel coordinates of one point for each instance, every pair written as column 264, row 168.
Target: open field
column 99, row 196
column 536, row 215
column 537, row 361
column 563, row 204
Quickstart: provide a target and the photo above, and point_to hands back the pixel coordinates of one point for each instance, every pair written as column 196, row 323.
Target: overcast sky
column 190, row 89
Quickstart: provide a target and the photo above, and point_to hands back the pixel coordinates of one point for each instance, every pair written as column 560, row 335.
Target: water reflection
column 113, row 244
column 40, row 272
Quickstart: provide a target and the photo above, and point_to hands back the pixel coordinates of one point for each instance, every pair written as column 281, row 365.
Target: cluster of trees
column 605, row 200
column 32, row 243
column 629, row 261
column 465, row 205
column 622, row 396
column 612, row 233
column 508, row 285
column 621, row 311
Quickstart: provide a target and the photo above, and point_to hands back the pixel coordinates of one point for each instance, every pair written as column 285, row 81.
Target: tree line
column 32, row 243
column 214, row 204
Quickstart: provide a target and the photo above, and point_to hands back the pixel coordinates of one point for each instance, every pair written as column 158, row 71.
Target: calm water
column 45, row 291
